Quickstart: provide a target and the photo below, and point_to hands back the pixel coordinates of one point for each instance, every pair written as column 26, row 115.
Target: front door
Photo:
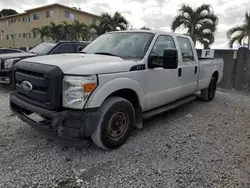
column 163, row 85
column 188, row 67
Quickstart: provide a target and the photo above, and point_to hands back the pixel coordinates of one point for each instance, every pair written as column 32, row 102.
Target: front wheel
column 209, row 93
column 117, row 119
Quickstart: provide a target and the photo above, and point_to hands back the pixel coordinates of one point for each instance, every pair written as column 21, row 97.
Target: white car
column 107, row 90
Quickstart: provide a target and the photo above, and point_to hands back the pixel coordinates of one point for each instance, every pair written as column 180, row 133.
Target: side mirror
column 169, row 60
column 79, row 49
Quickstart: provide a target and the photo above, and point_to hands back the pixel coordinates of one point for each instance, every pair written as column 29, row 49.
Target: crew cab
column 7, row 60
column 107, row 90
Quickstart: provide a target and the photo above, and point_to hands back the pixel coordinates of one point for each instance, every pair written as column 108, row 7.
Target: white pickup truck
column 107, row 90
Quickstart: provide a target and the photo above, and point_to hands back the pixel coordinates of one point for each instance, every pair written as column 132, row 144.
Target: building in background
column 16, row 30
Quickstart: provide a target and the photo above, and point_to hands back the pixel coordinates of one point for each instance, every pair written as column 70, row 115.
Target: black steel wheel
column 117, row 118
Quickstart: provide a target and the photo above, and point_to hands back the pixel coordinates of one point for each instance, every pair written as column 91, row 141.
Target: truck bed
column 207, row 68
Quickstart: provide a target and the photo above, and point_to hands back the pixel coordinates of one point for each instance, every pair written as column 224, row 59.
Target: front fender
column 102, row 92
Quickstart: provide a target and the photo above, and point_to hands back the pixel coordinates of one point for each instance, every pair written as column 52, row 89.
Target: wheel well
column 216, row 75
column 127, row 94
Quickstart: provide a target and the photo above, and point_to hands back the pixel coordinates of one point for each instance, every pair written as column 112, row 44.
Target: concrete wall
column 236, row 68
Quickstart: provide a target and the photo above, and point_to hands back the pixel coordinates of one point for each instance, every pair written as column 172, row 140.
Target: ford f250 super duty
column 107, row 90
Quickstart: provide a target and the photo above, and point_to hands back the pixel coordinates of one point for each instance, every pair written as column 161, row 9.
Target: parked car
column 8, row 60
column 9, row 50
column 123, row 77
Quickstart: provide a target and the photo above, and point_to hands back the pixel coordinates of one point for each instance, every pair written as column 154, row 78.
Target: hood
column 16, row 55
column 81, row 64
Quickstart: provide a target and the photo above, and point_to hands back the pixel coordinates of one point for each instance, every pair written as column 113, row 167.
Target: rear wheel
column 209, row 93
column 117, row 119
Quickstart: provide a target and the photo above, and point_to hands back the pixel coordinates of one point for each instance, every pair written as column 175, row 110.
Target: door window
column 65, row 48
column 162, row 42
column 186, row 49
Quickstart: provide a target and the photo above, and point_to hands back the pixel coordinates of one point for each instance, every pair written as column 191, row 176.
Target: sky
column 156, row 14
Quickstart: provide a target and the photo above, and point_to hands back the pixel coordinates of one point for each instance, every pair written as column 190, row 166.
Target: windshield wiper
column 106, row 53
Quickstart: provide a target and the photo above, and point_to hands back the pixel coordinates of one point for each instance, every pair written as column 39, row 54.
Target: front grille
column 46, row 81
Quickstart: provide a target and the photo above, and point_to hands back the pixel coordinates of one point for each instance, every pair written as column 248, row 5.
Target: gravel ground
column 198, row 145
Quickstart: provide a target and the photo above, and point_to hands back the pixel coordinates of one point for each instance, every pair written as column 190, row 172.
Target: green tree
column 80, row 30
column 42, row 32
column 7, row 12
column 67, row 30
column 56, row 31
column 240, row 32
column 201, row 23
column 99, row 28
column 115, row 22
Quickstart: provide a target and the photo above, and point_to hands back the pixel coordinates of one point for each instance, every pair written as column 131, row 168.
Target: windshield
column 43, row 48
column 131, row 45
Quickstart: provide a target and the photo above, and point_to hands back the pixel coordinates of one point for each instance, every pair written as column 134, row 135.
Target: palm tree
column 145, row 28
column 67, row 30
column 42, row 32
column 99, row 29
column 115, row 22
column 201, row 23
column 56, row 31
column 80, row 30
column 240, row 32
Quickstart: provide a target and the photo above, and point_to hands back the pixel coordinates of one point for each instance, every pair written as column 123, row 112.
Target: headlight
column 9, row 63
column 77, row 89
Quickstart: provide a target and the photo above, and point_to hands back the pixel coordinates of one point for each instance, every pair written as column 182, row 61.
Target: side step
column 170, row 106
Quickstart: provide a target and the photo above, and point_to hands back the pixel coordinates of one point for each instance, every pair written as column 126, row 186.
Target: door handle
column 195, row 69
column 179, row 72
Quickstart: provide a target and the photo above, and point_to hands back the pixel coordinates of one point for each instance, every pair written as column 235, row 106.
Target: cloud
column 156, row 14
column 157, row 21
column 234, row 14
column 158, row 2
column 25, row 4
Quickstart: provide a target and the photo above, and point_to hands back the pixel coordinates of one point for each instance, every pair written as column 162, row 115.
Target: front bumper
column 5, row 76
column 65, row 125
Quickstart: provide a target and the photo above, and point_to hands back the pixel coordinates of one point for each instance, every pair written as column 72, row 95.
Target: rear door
column 188, row 67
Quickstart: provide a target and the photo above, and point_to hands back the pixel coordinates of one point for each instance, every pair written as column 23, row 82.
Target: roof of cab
column 149, row 31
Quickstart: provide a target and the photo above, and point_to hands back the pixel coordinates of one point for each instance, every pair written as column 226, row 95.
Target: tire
column 117, row 119
column 209, row 93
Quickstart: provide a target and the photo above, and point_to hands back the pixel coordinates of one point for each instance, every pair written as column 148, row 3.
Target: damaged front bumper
column 66, row 124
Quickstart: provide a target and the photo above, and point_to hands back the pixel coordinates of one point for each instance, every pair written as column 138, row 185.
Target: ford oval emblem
column 26, row 85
